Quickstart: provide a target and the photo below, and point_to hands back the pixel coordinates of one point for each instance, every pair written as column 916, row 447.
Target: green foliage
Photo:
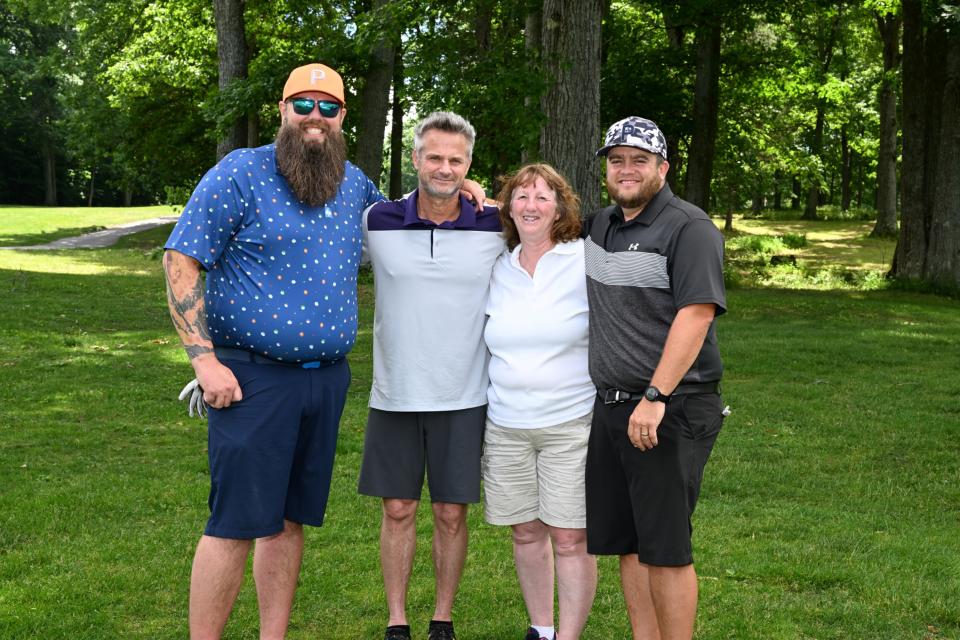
column 129, row 89
column 794, row 240
column 796, row 254
column 448, row 67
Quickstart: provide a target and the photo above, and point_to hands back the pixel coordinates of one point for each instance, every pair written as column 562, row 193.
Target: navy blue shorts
column 271, row 454
column 642, row 501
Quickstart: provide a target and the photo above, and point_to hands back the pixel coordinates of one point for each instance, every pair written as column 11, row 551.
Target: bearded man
column 277, row 231
column 654, row 268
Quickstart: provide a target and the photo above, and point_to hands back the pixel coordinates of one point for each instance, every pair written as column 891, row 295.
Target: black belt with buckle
column 226, row 353
column 613, row 396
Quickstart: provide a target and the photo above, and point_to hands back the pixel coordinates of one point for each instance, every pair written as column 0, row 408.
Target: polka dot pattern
column 281, row 276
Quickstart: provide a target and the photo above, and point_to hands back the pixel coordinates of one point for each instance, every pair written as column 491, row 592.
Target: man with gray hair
column 655, row 286
column 432, row 256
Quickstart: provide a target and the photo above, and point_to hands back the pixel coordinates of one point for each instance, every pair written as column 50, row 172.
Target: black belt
column 613, row 396
column 226, row 353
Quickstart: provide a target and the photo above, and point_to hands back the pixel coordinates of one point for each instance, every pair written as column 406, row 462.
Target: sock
column 545, row 632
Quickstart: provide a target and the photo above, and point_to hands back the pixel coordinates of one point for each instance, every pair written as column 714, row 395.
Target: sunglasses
column 304, row 107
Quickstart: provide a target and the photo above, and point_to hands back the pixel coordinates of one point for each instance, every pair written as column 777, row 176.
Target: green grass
column 821, row 255
column 830, row 507
column 24, row 226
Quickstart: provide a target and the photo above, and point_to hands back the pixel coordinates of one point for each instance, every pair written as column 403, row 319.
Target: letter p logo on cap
column 314, row 77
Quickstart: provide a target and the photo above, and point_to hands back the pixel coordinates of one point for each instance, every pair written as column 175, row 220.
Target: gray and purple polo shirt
column 431, row 286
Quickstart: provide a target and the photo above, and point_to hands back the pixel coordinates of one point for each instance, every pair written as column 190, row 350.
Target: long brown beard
column 314, row 170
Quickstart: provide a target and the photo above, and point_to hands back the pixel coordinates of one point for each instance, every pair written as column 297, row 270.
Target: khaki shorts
column 536, row 473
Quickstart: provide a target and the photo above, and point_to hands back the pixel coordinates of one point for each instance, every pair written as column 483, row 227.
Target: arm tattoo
column 187, row 309
column 194, row 350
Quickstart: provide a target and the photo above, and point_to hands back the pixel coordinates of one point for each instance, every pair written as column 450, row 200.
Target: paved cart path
column 103, row 238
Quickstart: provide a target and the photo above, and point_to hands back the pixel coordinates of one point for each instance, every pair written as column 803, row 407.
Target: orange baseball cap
column 314, row 77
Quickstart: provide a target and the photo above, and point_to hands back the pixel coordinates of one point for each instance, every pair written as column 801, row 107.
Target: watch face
column 651, row 394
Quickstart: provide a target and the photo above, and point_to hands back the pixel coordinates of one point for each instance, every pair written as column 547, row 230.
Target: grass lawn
column 24, row 226
column 830, row 507
column 848, row 241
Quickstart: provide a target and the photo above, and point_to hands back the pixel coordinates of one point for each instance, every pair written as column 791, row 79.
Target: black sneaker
column 397, row 632
column 441, row 631
column 532, row 634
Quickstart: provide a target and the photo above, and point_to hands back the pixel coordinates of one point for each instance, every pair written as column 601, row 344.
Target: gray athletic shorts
column 400, row 445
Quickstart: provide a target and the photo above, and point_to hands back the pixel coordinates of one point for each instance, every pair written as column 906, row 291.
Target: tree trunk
column 846, row 175
column 93, row 177
column 943, row 251
column 813, row 191
column 127, row 196
column 253, row 128
column 374, row 104
column 396, row 129
column 824, row 58
column 912, row 243
column 571, row 50
column 886, row 227
column 706, row 101
column 483, row 23
column 756, row 204
column 795, row 193
column 532, row 44
column 676, row 28
column 777, row 193
column 49, row 175
column 232, row 57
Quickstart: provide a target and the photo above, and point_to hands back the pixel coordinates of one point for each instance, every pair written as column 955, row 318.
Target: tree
column 232, row 59
column 888, row 26
column 375, row 97
column 928, row 248
column 571, row 52
column 706, row 103
column 823, row 37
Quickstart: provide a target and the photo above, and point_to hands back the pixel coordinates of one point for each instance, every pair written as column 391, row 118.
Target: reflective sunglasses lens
column 302, row 106
column 328, row 109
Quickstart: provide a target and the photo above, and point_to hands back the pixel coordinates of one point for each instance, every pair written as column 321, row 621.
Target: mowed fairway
column 830, row 507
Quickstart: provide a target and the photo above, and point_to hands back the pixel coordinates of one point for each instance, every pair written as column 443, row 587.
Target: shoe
column 441, row 631
column 397, row 633
column 532, row 635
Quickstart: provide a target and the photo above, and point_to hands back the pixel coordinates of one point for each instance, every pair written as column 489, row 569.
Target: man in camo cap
column 655, row 285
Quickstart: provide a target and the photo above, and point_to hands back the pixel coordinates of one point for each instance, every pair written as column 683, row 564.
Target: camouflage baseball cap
column 635, row 132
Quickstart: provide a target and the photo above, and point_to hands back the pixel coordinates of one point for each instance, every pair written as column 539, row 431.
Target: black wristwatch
column 653, row 395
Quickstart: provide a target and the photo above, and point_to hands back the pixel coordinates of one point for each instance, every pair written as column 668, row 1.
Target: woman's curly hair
column 566, row 227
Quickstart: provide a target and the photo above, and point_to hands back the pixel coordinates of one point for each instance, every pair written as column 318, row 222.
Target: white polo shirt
column 537, row 336
column 431, row 285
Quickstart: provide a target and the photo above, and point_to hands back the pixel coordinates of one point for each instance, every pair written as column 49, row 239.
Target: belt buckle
column 611, row 396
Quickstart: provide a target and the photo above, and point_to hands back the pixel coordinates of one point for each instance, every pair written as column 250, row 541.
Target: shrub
column 794, row 240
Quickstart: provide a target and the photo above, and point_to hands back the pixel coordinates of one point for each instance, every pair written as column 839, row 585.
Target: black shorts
column 642, row 501
column 400, row 445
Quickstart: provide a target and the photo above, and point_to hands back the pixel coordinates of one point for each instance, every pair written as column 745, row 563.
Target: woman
column 540, row 399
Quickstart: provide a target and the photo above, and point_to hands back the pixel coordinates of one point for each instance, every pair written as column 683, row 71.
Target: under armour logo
column 317, row 74
column 634, row 246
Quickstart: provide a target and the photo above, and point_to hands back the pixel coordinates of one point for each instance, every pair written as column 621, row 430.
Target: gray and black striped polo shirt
column 639, row 273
